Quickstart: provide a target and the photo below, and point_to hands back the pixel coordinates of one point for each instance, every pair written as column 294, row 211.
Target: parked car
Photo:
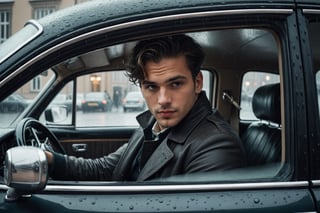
column 134, row 101
column 13, row 103
column 269, row 50
column 97, row 101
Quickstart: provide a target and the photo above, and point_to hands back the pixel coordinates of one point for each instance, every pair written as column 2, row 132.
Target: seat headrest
column 266, row 103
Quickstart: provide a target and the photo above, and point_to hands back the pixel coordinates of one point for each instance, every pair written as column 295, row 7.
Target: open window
column 103, row 104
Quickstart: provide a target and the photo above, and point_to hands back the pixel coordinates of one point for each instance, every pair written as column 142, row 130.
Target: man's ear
column 199, row 82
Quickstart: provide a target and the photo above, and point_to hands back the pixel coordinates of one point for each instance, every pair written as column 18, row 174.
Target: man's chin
column 164, row 123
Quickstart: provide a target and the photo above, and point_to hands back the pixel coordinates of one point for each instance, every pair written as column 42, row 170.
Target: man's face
column 170, row 90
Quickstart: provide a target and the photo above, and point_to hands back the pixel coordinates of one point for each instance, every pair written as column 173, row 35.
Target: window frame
column 282, row 111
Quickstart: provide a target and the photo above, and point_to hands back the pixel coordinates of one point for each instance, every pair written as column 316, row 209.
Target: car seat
column 262, row 139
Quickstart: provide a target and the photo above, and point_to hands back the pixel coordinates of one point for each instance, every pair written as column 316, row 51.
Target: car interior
column 227, row 60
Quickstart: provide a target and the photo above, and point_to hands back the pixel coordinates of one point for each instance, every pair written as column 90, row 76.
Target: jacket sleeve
column 72, row 168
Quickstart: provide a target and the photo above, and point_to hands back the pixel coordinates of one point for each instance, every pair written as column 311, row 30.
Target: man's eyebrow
column 147, row 82
column 179, row 77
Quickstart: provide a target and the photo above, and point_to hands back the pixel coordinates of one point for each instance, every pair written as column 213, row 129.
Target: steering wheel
column 30, row 132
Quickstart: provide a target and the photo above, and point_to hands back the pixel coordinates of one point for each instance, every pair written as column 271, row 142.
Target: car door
column 233, row 36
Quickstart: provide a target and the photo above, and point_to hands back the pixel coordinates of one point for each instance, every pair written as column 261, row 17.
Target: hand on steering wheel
column 30, row 132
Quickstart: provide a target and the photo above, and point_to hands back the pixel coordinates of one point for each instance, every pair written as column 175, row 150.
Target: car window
column 250, row 82
column 61, row 101
column 16, row 103
column 102, row 96
column 105, row 99
column 92, row 91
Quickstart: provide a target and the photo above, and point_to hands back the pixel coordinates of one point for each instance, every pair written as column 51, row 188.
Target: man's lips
column 166, row 113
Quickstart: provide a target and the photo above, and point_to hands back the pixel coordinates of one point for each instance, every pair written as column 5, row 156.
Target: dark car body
column 238, row 37
column 96, row 101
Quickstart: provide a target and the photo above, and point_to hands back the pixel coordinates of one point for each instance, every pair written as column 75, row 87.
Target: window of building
column 41, row 12
column 43, row 8
column 5, row 19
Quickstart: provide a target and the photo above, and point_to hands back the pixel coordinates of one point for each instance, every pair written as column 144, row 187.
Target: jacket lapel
column 156, row 161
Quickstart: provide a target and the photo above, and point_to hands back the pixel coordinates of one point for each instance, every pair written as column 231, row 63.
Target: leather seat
column 262, row 139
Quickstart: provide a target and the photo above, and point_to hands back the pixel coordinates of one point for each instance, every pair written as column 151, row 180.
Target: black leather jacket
column 201, row 142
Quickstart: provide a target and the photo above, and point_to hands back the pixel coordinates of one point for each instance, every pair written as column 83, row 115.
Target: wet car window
column 250, row 82
column 105, row 99
column 16, row 103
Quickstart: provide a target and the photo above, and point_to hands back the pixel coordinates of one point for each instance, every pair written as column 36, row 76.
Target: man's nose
column 164, row 97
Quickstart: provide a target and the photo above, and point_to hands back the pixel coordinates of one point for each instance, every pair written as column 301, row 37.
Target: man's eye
column 176, row 84
column 150, row 87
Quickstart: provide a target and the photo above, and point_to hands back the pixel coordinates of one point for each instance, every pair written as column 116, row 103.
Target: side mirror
column 56, row 114
column 25, row 171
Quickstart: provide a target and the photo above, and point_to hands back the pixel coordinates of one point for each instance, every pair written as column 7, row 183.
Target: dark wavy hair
column 164, row 47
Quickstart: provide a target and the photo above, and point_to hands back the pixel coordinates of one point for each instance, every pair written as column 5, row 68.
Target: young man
column 179, row 134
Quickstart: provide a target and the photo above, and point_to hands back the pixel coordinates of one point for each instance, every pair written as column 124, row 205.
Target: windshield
column 16, row 103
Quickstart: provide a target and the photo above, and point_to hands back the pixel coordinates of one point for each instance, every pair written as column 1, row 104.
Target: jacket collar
column 179, row 133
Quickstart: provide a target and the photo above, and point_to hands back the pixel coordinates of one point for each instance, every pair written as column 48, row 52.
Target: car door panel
column 93, row 142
